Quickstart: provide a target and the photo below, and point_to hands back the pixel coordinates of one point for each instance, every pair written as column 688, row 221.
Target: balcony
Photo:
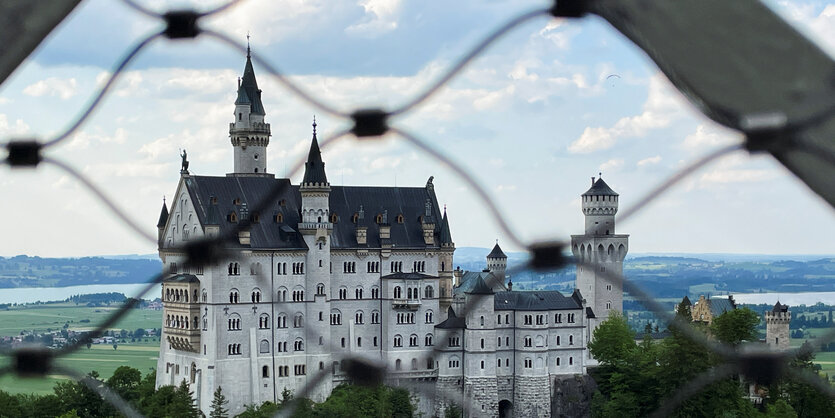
column 411, row 304
column 183, row 339
column 315, row 225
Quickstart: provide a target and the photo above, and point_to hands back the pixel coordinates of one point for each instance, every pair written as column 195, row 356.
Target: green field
column 101, row 358
column 53, row 316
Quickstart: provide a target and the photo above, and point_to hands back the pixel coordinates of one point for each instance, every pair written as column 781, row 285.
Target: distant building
column 777, row 327
column 705, row 310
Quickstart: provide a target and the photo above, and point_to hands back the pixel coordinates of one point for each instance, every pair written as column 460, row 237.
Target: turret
column 249, row 135
column 497, row 262
column 163, row 219
column 777, row 327
column 600, row 204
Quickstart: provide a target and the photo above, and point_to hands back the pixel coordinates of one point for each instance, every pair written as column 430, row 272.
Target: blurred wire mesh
column 775, row 87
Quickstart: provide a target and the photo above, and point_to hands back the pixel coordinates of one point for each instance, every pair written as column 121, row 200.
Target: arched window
column 398, row 292
column 336, row 317
column 428, row 292
column 398, row 341
column 398, row 365
column 298, row 320
column 320, row 289
column 264, row 321
column 264, row 347
column 233, row 296
column 570, row 340
column 413, row 340
column 414, row 364
column 429, row 317
column 265, row 371
column 358, row 317
column 281, row 320
column 428, row 340
column 298, row 345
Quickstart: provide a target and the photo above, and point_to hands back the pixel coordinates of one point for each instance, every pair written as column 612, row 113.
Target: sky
column 531, row 119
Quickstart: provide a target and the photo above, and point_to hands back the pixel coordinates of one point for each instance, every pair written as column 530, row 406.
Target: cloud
column 729, row 171
column 380, row 17
column 650, row 160
column 53, row 86
column 612, row 164
column 16, row 129
column 662, row 107
column 558, row 33
column 506, row 188
column 820, row 25
column 708, row 136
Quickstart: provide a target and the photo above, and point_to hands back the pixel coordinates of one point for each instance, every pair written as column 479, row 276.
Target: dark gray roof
column 778, row 307
column 248, row 91
column 446, row 236
column 163, row 216
column 182, row 278
column 686, row 301
column 497, row 252
column 344, row 202
column 600, row 188
column 719, row 306
column 480, row 288
column 408, row 276
column 314, row 168
column 212, row 214
column 471, row 278
column 452, row 321
column 534, row 300
column 589, row 312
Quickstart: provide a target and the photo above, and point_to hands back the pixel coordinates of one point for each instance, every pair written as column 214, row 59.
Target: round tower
column 600, row 252
column 777, row 327
column 249, row 134
column 497, row 262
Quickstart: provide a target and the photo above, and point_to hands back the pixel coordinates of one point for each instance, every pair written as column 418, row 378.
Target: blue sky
column 533, row 118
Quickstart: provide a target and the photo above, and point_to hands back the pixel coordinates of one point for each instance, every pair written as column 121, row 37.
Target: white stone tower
column 480, row 383
column 600, row 251
column 777, row 327
column 249, row 134
column 316, row 229
column 497, row 263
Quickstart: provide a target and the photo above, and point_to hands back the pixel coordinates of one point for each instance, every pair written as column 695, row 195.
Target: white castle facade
column 324, row 272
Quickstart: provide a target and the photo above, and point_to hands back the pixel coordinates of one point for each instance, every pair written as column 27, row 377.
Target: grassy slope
column 54, row 316
column 101, row 358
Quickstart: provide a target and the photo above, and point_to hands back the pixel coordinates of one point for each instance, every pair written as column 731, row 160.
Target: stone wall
column 571, row 396
column 481, row 397
column 448, row 390
column 532, row 397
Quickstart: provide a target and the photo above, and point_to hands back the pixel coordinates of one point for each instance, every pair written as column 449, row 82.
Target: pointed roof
column 778, row 307
column 446, row 236
column 480, row 288
column 248, row 91
column 686, row 301
column 163, row 215
column 497, row 252
column 600, row 188
column 452, row 321
column 314, row 168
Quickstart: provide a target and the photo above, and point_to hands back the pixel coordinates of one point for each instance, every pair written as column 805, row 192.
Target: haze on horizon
column 533, row 118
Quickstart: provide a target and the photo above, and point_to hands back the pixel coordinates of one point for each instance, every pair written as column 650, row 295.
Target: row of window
column 187, row 269
column 413, row 340
column 529, row 319
column 179, row 295
column 234, row 268
column 182, row 322
column 298, row 295
column 455, row 363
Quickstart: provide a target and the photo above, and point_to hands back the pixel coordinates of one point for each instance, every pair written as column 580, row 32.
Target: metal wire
column 208, row 251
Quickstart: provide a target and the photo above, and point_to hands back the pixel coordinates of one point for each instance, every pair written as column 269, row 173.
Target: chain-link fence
column 795, row 133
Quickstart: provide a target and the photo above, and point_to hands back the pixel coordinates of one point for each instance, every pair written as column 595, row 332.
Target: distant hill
column 25, row 271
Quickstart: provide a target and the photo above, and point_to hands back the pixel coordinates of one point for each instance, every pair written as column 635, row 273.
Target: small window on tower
column 400, row 219
column 379, row 219
column 240, row 115
column 256, row 156
column 279, row 218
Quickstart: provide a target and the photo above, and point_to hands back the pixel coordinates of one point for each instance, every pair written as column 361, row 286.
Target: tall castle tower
column 777, row 327
column 248, row 133
column 497, row 263
column 603, row 248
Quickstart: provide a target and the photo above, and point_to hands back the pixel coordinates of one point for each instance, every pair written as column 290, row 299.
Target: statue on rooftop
column 184, row 169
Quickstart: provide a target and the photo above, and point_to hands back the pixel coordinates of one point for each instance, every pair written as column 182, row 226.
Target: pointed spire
column 314, row 168
column 497, row 252
column 446, row 236
column 163, row 215
column 248, row 54
column 248, row 91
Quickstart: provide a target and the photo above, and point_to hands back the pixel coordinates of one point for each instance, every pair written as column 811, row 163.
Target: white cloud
column 612, row 164
column 730, row 170
column 53, row 86
column 380, row 17
column 273, row 20
column 16, row 129
column 558, row 33
column 709, row 136
column 5, row 100
column 650, row 160
column 820, row 25
column 506, row 188
column 663, row 106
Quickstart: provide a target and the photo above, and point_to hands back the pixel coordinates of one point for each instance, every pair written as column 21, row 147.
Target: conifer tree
column 218, row 403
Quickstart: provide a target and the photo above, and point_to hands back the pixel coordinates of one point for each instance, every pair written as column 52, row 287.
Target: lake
column 791, row 299
column 46, row 294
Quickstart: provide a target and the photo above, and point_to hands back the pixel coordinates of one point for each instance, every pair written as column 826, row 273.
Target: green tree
column 125, row 381
column 612, row 339
column 735, row 326
column 218, row 405
column 9, row 404
column 804, row 399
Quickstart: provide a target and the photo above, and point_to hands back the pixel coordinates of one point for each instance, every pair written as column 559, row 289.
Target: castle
column 324, row 272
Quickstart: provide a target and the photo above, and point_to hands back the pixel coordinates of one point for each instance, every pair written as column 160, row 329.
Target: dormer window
column 355, row 218
column 334, row 218
column 236, row 201
column 256, row 217
column 400, row 219
column 233, row 217
column 279, row 218
column 379, row 218
column 283, row 202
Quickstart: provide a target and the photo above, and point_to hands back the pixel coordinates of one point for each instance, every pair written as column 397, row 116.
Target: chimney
column 510, row 285
column 458, row 274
